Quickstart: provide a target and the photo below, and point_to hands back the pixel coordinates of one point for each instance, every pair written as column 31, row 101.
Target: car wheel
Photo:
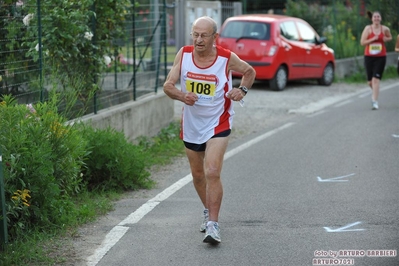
column 279, row 81
column 328, row 75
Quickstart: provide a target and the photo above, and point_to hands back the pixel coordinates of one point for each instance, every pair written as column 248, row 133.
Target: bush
column 48, row 161
column 43, row 157
column 112, row 162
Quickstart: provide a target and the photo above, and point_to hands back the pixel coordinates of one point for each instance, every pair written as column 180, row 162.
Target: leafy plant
column 75, row 36
column 43, row 158
column 112, row 162
column 166, row 144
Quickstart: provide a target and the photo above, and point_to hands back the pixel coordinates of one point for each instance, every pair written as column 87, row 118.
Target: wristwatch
column 244, row 89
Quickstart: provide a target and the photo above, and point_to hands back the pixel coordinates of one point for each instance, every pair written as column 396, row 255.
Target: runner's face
column 203, row 36
column 376, row 18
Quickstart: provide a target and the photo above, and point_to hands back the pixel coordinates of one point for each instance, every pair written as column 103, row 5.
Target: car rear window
column 247, row 30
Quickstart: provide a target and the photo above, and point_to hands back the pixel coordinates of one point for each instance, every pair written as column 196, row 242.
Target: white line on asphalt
column 317, row 106
column 316, row 114
column 343, row 103
column 110, row 240
column 344, row 228
column 119, row 231
column 368, row 93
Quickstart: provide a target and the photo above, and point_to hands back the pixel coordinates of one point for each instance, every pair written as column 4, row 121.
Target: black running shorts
column 201, row 147
column 375, row 66
column 398, row 66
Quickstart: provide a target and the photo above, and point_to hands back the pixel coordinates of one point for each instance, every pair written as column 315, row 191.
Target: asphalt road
column 315, row 187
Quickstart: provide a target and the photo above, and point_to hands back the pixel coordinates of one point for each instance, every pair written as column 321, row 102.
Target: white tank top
column 213, row 112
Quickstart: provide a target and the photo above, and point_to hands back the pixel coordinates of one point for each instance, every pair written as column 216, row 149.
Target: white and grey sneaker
column 205, row 221
column 212, row 234
column 375, row 105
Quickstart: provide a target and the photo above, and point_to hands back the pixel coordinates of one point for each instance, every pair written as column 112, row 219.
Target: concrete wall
column 144, row 117
column 346, row 67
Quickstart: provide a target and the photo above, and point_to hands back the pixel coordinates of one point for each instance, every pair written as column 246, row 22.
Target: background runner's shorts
column 397, row 68
column 375, row 66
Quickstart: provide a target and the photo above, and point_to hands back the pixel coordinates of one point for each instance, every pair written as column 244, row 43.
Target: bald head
column 206, row 21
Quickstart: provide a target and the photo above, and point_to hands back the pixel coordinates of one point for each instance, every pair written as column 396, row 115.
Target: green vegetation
column 343, row 25
column 75, row 37
column 60, row 175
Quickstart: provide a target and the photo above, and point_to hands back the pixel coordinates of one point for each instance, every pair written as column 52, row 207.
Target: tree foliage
column 76, row 40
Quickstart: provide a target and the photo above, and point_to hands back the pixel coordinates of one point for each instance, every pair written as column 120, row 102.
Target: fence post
column 134, row 48
column 94, row 41
column 3, row 218
column 39, row 26
column 164, row 39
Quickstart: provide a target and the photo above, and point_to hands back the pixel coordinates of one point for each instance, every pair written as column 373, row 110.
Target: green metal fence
column 36, row 33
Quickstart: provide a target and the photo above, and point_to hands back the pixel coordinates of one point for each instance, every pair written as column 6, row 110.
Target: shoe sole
column 211, row 240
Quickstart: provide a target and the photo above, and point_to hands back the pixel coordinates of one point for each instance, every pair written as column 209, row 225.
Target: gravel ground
column 263, row 109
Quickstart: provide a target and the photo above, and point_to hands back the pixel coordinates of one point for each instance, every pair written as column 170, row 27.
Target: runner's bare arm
column 240, row 66
column 387, row 34
column 363, row 39
column 169, row 87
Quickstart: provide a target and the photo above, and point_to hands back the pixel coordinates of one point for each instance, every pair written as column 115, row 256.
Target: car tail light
column 272, row 50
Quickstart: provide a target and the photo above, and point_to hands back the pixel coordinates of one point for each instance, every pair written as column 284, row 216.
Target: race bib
column 203, row 85
column 375, row 48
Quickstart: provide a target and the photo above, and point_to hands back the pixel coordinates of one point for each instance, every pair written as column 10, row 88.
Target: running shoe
column 206, row 218
column 212, row 234
column 375, row 105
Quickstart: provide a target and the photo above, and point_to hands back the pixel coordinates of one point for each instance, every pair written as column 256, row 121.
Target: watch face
column 244, row 89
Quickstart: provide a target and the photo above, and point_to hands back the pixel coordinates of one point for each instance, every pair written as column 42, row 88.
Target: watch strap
column 244, row 89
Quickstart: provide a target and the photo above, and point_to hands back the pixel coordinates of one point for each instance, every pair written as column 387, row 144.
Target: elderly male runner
column 204, row 72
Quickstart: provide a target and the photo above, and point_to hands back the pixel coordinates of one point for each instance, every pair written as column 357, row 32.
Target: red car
column 280, row 48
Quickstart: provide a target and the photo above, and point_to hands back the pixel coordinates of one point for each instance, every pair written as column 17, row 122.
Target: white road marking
column 317, row 106
column 343, row 103
column 316, row 114
column 343, row 228
column 334, row 179
column 366, row 94
column 110, row 240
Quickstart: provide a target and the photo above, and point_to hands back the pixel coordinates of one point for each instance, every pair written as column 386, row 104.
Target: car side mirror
column 321, row 40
